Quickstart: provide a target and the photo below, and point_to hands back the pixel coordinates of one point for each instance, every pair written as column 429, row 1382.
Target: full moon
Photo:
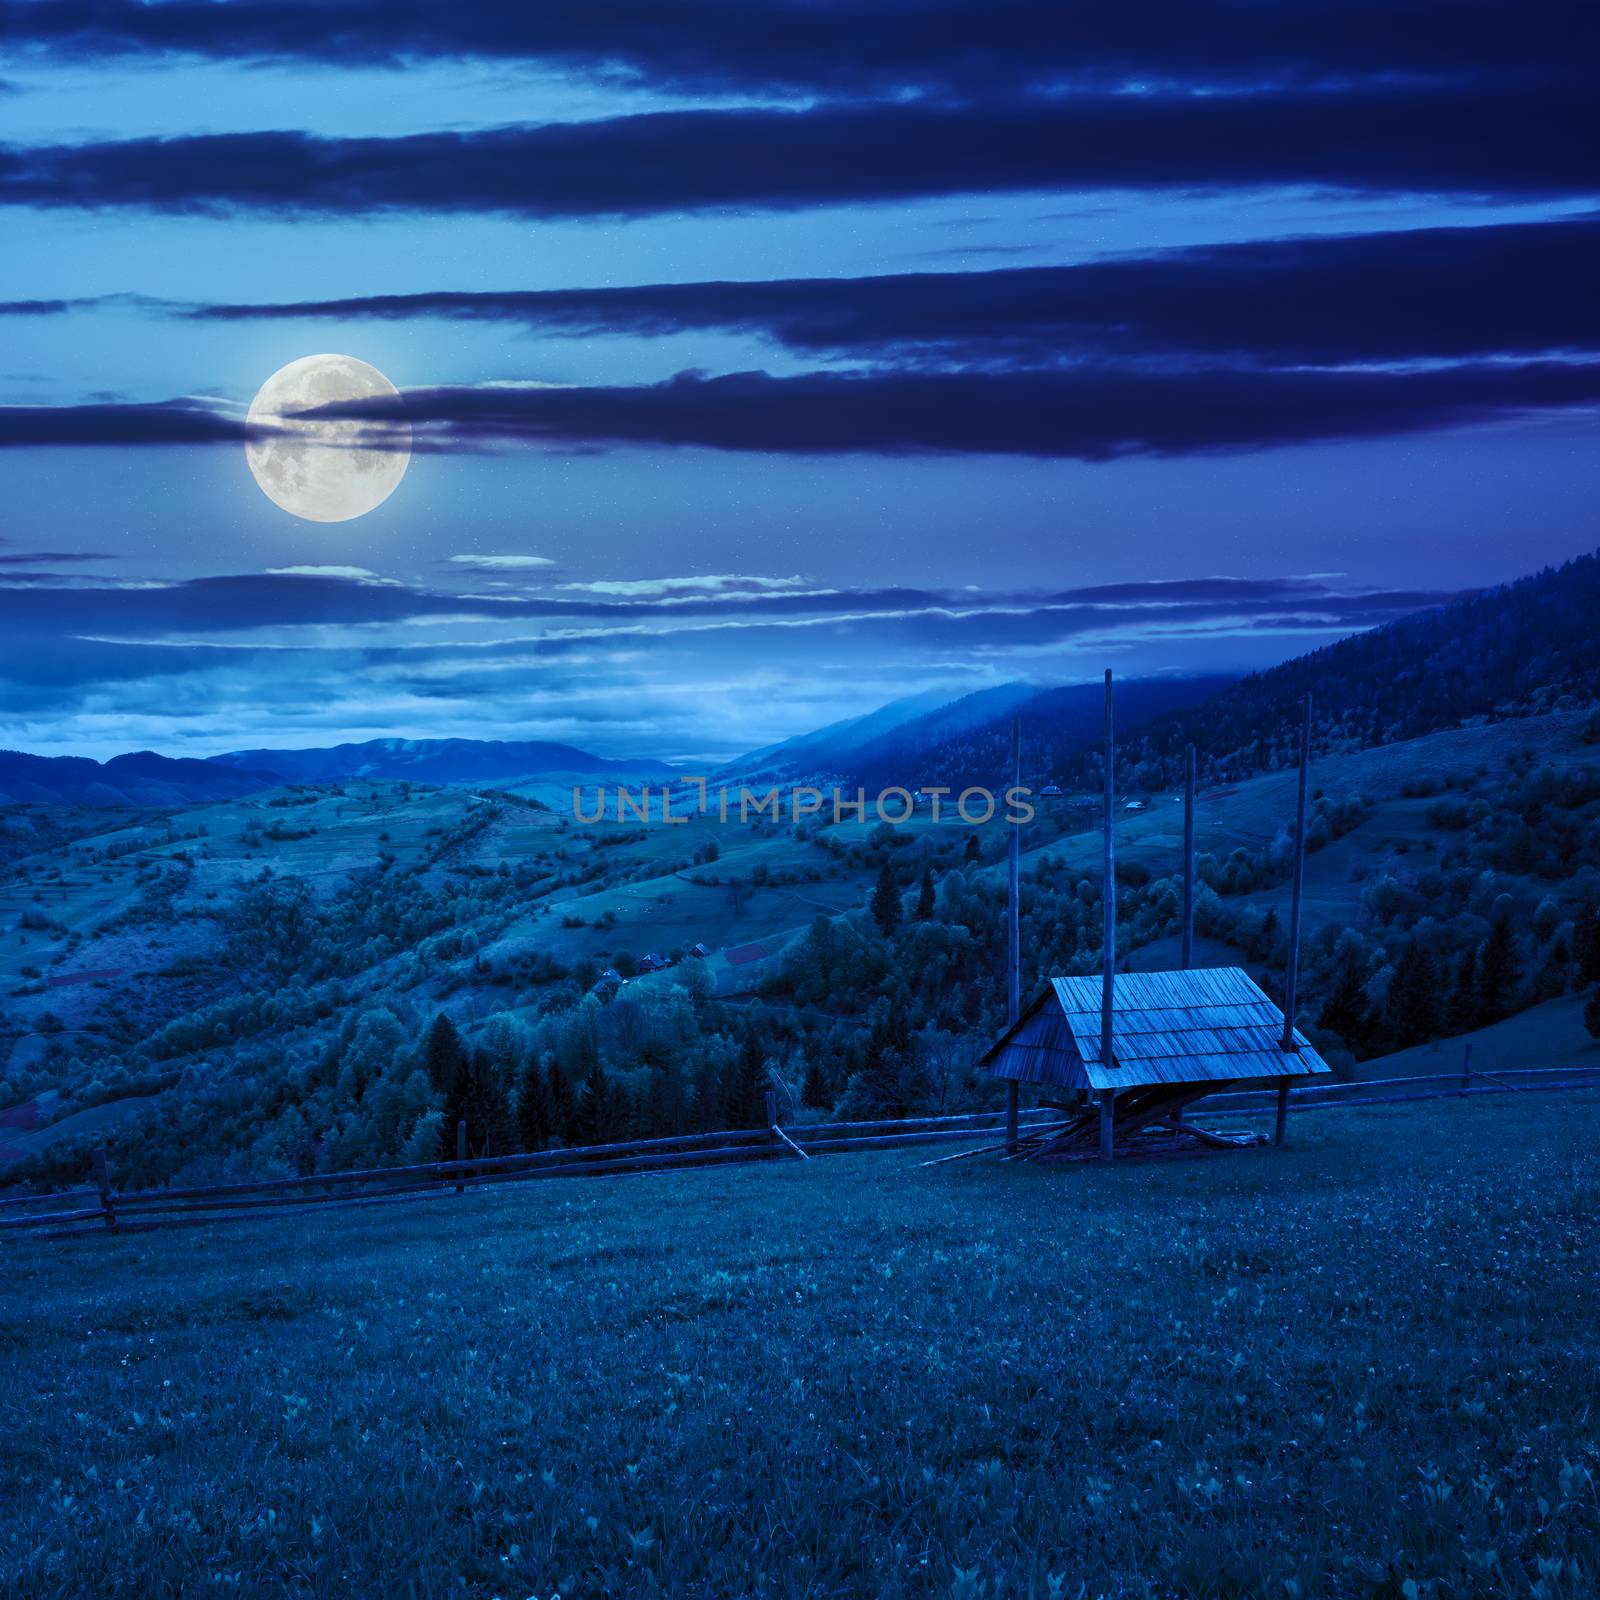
column 327, row 469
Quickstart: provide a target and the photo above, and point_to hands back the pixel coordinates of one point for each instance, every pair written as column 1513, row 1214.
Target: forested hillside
column 1056, row 725
column 1515, row 650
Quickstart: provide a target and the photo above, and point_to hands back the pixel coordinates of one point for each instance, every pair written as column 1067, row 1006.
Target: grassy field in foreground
column 1366, row 1365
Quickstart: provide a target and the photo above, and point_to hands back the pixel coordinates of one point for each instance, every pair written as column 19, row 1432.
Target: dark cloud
column 1082, row 412
column 72, row 634
column 273, row 658
column 1437, row 292
column 1474, row 139
column 91, row 302
column 846, row 46
column 161, row 422
column 34, row 558
column 219, row 606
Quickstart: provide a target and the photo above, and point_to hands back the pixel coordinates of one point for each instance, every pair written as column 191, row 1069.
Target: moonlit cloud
column 501, row 563
column 620, row 673
column 726, row 583
column 354, row 574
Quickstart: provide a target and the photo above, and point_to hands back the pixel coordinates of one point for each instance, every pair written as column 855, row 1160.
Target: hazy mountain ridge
column 905, row 724
column 433, row 761
column 140, row 778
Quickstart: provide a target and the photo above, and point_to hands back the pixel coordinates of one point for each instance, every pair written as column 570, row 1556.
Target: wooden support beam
column 102, row 1183
column 1292, row 976
column 1013, row 934
column 785, row 1139
column 1222, row 1141
column 1109, row 898
column 1033, row 1137
column 1108, row 1099
column 1188, row 861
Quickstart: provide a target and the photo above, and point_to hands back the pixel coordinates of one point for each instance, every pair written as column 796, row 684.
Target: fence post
column 1466, row 1067
column 772, row 1114
column 461, row 1154
column 102, row 1182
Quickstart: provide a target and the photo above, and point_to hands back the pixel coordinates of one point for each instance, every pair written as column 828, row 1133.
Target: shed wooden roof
column 1206, row 1024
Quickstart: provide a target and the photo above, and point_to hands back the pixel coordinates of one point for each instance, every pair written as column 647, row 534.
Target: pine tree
column 973, row 852
column 444, row 1055
column 746, row 1087
column 1461, row 1011
column 563, row 1104
column 603, row 1109
column 594, row 1099
column 479, row 1099
column 885, row 903
column 534, row 1118
column 814, row 1095
column 1345, row 1010
column 1586, row 947
column 925, row 895
column 1498, row 971
column 1413, row 1003
column 710, row 1093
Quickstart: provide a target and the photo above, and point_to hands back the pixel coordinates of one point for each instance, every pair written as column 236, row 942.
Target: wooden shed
column 1175, row 1037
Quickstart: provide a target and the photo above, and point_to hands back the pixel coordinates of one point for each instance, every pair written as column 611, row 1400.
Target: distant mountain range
column 443, row 761
column 144, row 778
column 140, row 779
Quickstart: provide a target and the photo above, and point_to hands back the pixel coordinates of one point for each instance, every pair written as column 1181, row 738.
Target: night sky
column 768, row 361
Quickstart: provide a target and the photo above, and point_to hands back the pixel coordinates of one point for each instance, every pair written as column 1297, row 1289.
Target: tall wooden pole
column 1292, row 977
column 1109, row 936
column 1188, row 862
column 1013, row 936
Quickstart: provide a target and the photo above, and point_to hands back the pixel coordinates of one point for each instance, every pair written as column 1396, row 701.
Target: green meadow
column 1366, row 1365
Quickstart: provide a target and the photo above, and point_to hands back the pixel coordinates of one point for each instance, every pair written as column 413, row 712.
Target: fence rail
column 140, row 1209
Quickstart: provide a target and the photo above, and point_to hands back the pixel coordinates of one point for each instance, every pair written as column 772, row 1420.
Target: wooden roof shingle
column 1206, row 1024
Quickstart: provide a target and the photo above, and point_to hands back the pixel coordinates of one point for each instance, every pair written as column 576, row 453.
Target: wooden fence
column 100, row 1207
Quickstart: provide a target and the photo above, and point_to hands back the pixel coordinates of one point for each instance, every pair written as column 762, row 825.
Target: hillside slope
column 910, row 723
column 1515, row 650
column 872, row 1348
column 1056, row 725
